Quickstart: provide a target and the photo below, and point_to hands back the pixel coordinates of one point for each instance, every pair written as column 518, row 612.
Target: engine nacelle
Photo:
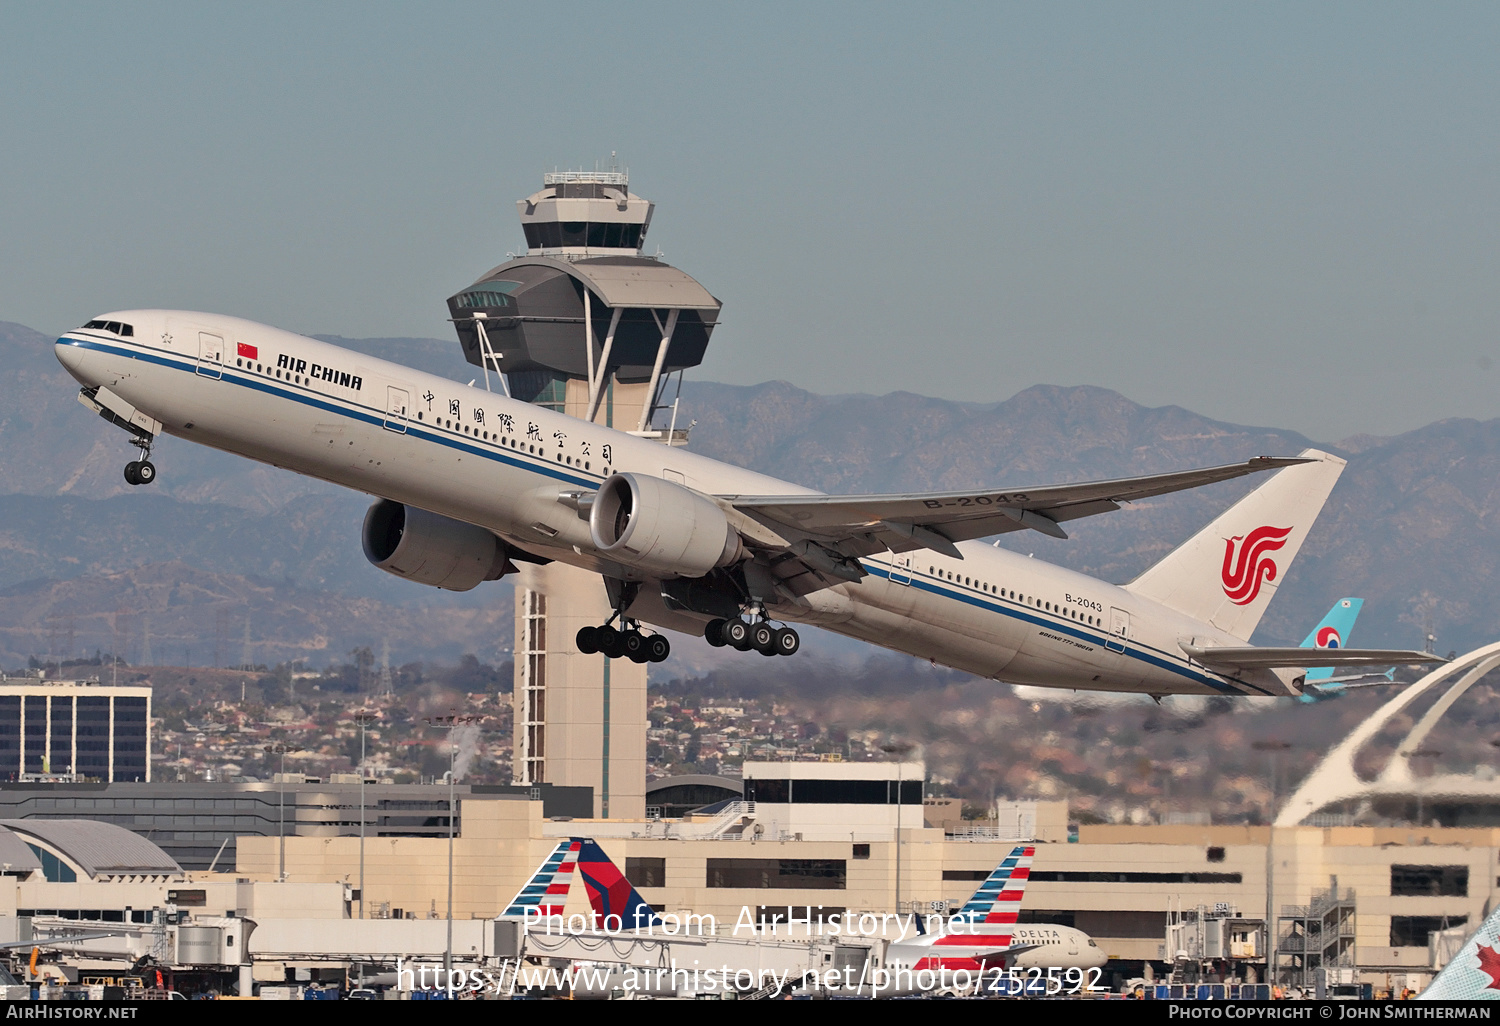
column 430, row 549
column 661, row 528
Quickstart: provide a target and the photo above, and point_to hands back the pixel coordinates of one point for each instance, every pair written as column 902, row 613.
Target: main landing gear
column 629, row 643
column 759, row 635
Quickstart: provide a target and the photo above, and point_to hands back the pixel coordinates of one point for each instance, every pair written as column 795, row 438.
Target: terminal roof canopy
column 100, row 849
column 17, row 855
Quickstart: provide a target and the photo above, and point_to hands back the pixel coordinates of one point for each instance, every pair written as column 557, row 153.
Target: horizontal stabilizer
column 1252, row 658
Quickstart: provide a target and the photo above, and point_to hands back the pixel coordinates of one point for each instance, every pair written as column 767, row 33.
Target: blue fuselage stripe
column 354, row 411
column 1134, row 651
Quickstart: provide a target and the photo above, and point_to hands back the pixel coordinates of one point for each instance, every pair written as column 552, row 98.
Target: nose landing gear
column 758, row 635
column 139, row 472
column 142, row 429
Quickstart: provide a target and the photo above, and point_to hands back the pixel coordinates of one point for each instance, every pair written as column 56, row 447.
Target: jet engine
column 661, row 528
column 431, row 549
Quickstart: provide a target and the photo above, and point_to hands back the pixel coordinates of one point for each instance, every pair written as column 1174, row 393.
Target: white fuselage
column 476, row 456
column 1046, row 946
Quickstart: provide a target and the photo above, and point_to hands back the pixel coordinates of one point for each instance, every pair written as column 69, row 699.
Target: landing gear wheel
column 609, row 641
column 132, row 471
column 787, row 641
column 634, row 645
column 763, row 638
column 736, row 633
column 713, row 633
column 657, row 649
column 145, row 472
column 587, row 640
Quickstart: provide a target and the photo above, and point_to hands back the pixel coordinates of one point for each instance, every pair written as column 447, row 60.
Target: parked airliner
column 468, row 482
column 987, row 933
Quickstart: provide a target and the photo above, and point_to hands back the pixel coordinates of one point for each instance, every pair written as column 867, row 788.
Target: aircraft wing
column 862, row 525
column 1252, row 658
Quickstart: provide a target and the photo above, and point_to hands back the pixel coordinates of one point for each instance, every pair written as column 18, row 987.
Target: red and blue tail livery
column 615, row 901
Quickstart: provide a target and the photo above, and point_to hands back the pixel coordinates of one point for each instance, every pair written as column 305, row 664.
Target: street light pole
column 281, row 750
column 448, row 950
column 898, row 749
column 450, row 722
column 1272, row 748
column 363, row 717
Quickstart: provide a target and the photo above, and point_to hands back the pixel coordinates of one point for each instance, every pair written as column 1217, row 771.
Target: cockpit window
column 117, row 327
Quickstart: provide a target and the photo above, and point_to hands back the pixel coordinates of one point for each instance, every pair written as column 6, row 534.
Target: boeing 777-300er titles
column 469, row 481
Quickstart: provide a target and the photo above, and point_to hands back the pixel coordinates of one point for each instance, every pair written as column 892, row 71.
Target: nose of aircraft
column 69, row 355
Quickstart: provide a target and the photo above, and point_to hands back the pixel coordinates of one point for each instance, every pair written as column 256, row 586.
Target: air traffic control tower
column 585, row 324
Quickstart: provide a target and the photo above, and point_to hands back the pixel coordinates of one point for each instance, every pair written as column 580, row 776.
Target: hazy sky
column 1272, row 214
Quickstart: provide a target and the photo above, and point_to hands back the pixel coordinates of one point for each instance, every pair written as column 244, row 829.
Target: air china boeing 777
column 468, row 481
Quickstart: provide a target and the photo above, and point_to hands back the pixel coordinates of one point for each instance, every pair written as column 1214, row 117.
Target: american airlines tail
column 1227, row 573
column 997, row 902
column 546, row 892
column 1474, row 973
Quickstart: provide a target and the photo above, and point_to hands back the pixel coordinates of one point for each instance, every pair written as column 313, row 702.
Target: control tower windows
column 596, row 234
column 488, row 294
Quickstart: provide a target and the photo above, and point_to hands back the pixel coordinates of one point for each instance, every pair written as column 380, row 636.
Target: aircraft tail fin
column 998, row 899
column 1474, row 973
column 547, row 891
column 1227, row 573
column 610, row 893
column 1332, row 632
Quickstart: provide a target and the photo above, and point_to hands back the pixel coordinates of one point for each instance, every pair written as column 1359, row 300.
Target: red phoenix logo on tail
column 1245, row 569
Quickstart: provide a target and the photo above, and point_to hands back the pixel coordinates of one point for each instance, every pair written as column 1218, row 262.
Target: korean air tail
column 1332, row 632
column 998, row 899
column 610, row 893
column 1474, row 973
column 1227, row 573
column 547, row 891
